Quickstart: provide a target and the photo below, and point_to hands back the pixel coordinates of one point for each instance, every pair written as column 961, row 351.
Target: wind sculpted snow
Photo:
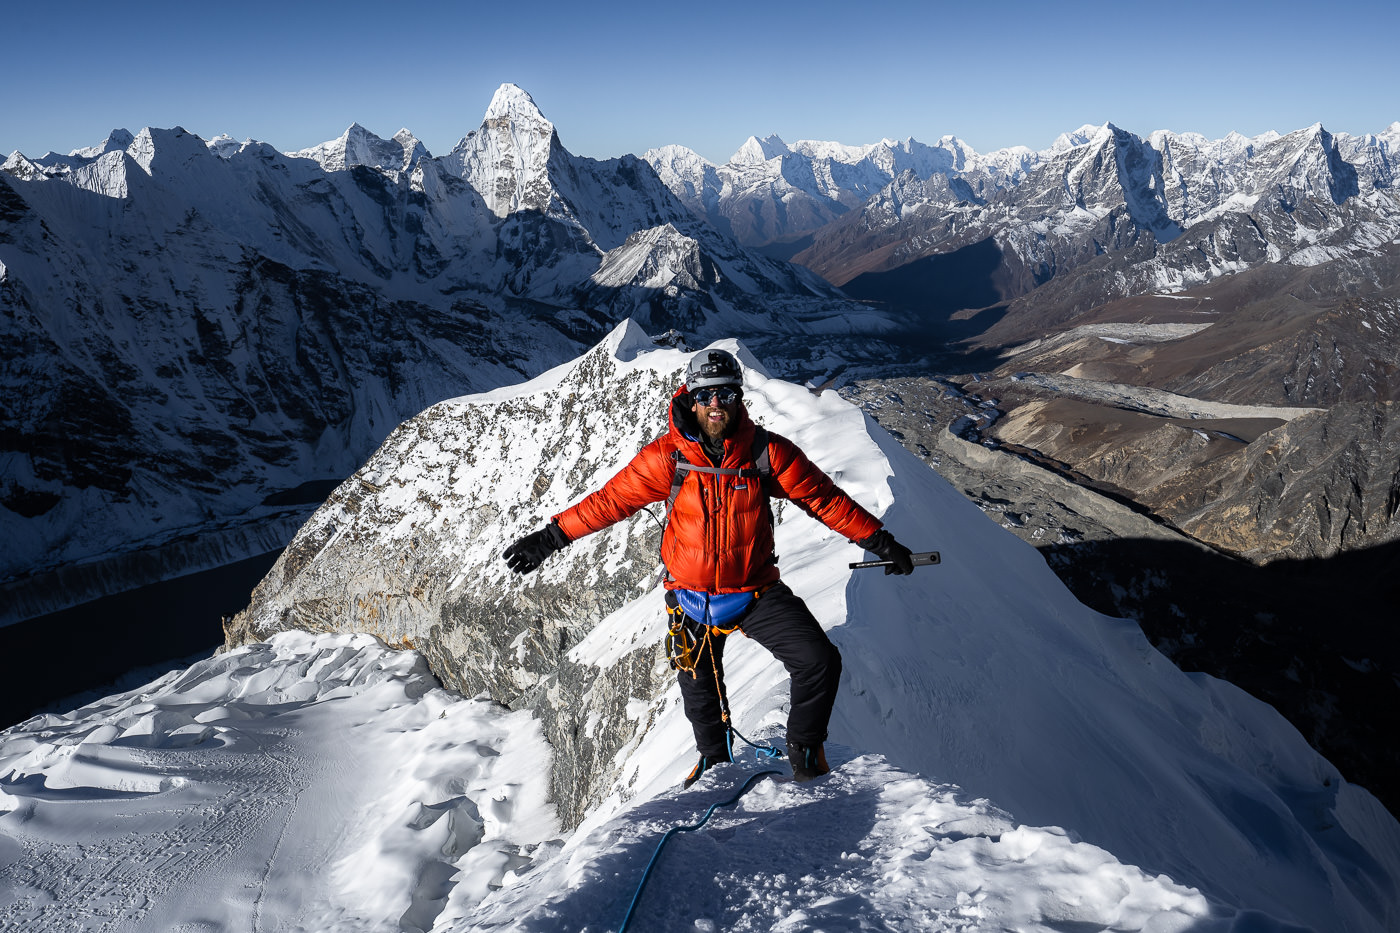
column 1006, row 759
column 308, row 783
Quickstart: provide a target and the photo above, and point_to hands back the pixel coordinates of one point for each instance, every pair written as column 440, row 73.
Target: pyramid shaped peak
column 513, row 102
column 761, row 150
column 1308, row 136
column 116, row 140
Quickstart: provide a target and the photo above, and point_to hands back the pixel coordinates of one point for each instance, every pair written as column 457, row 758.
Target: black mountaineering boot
column 705, row 763
column 808, row 761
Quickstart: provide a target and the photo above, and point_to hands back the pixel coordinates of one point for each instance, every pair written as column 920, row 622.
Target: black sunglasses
column 725, row 395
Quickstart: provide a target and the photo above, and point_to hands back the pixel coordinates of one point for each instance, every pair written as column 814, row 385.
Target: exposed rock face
column 1275, row 335
column 409, row 549
column 1035, row 504
column 1322, row 484
column 1257, row 480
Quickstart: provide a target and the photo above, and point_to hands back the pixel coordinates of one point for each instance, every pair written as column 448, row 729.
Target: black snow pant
column 781, row 622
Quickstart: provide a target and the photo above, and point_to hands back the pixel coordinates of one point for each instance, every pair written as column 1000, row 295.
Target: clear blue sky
column 629, row 76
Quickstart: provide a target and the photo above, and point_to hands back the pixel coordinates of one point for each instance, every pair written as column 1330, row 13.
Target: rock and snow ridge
column 358, row 146
column 816, row 182
column 983, row 675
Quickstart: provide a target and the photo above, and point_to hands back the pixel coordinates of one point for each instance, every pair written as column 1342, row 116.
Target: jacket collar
column 686, row 430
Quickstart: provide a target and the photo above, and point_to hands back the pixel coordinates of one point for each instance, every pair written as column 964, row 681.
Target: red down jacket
column 719, row 538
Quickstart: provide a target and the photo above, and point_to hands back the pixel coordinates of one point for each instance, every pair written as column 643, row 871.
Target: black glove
column 530, row 551
column 884, row 544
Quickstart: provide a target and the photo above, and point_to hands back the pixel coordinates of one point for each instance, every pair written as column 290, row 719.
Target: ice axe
column 922, row 559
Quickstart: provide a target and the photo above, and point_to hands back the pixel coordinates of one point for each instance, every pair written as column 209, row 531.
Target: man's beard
column 716, row 431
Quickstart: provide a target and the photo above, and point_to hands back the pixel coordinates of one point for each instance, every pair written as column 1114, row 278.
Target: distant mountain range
column 1212, row 207
column 198, row 338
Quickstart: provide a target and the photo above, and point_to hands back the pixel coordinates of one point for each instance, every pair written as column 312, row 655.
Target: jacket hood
column 686, row 429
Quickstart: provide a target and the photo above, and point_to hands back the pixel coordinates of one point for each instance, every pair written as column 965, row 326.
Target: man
column 717, row 546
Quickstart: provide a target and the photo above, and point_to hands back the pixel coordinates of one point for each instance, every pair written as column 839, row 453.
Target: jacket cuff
column 556, row 535
column 876, row 541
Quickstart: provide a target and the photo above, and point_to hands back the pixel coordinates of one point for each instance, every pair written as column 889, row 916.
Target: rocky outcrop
column 1322, row 484
column 1305, row 483
column 1036, row 504
column 408, row 548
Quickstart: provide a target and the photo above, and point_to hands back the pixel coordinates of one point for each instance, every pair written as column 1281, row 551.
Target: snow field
column 316, row 783
column 323, row 783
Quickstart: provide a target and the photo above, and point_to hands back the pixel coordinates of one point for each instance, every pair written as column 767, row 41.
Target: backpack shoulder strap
column 760, row 454
column 679, row 468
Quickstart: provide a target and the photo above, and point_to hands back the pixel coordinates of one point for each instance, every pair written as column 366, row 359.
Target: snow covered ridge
column 408, row 548
column 979, row 699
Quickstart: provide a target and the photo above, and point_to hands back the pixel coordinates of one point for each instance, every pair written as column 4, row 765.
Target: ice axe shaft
column 922, row 559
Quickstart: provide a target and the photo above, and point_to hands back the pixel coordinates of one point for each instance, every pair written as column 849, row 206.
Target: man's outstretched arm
column 802, row 481
column 643, row 481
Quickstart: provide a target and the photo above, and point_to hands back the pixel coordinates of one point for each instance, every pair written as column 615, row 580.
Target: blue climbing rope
column 771, row 752
column 646, row 875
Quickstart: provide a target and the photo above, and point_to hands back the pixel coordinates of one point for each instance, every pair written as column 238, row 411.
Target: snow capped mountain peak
column 761, row 150
column 839, row 152
column 948, row 141
column 358, row 146
column 1076, row 138
column 174, row 146
column 224, row 146
column 118, row 139
column 22, row 167
column 511, row 102
column 678, row 157
column 507, row 157
column 659, row 258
